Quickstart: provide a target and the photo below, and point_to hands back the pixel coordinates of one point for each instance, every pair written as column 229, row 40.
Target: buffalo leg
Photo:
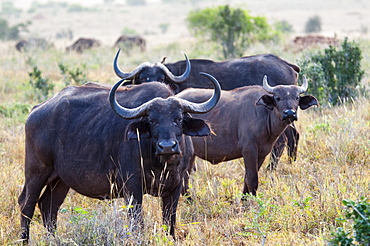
column 169, row 207
column 277, row 151
column 293, row 138
column 50, row 202
column 251, row 172
column 185, row 185
column 290, row 138
column 35, row 180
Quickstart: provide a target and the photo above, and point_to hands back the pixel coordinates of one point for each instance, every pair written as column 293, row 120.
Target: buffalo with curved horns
column 231, row 74
column 76, row 141
column 247, row 122
column 130, row 42
column 149, row 72
column 82, row 44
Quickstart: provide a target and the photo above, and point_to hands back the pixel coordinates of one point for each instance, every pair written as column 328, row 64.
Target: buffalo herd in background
column 135, row 41
column 82, row 44
column 86, row 137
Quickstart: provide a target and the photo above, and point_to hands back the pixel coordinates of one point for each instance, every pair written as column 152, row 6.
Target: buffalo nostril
column 167, row 147
column 289, row 114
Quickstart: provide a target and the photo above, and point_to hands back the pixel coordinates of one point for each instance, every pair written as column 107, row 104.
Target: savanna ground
column 297, row 204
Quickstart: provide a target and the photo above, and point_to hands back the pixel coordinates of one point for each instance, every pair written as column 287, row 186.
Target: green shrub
column 335, row 74
column 11, row 32
column 41, row 86
column 15, row 110
column 233, row 29
column 71, row 76
column 79, row 8
column 359, row 214
column 164, row 27
column 283, row 26
column 7, row 8
column 128, row 31
column 313, row 24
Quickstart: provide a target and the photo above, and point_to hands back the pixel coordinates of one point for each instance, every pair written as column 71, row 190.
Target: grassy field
column 297, row 204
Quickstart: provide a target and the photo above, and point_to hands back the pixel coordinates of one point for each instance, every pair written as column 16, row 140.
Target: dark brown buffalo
column 231, row 74
column 75, row 140
column 82, row 44
column 147, row 71
column 130, row 42
column 247, row 121
column 32, row 43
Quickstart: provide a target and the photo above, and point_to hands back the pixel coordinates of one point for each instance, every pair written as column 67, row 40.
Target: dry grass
column 296, row 205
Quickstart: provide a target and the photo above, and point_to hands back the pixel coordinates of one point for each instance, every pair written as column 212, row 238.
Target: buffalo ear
column 195, row 127
column 267, row 101
column 135, row 127
column 307, row 101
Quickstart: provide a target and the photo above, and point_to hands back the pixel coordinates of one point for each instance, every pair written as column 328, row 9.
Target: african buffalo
column 32, row 43
column 247, row 121
column 147, row 71
column 82, row 44
column 231, row 74
column 75, row 140
column 130, row 42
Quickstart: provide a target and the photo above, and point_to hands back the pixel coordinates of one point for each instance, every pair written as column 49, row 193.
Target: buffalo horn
column 189, row 107
column 125, row 113
column 123, row 75
column 170, row 76
column 266, row 85
column 206, row 106
column 304, row 86
column 174, row 78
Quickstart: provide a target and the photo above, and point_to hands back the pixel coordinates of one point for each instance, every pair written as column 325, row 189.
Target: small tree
column 336, row 73
column 313, row 24
column 42, row 87
column 233, row 29
column 71, row 76
column 11, row 32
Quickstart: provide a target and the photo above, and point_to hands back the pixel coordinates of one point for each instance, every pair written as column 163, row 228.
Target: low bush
column 359, row 214
column 335, row 74
column 73, row 76
column 41, row 86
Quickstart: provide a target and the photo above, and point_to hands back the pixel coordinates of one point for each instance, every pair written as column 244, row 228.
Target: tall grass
column 296, row 205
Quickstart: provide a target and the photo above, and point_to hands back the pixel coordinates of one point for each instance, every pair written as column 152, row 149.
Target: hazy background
column 106, row 21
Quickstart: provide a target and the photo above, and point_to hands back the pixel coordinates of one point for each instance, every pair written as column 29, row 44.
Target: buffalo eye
column 297, row 98
column 177, row 122
column 153, row 122
column 278, row 99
